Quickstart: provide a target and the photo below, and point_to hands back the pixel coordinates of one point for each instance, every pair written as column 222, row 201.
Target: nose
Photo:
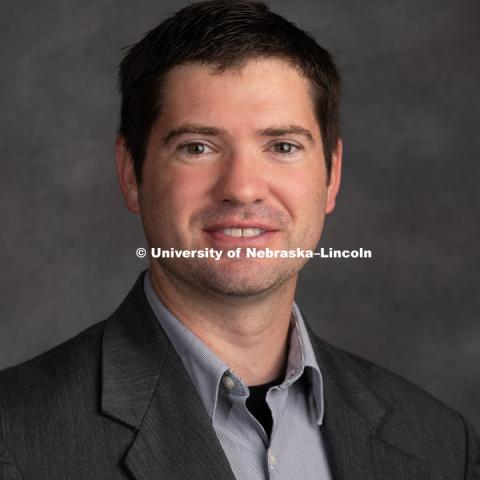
column 242, row 180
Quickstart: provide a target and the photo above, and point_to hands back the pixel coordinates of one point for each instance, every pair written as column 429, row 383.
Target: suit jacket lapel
column 145, row 386
column 353, row 423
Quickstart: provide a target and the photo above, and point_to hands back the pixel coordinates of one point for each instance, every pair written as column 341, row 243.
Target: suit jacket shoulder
column 58, row 364
column 45, row 402
column 393, row 416
column 398, row 394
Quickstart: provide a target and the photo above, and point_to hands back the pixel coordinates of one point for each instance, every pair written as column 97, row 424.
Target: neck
column 249, row 334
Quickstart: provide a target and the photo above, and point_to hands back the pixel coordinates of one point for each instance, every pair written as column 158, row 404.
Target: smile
column 230, row 234
column 243, row 232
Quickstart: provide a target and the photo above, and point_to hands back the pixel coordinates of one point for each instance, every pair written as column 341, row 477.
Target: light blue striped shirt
column 296, row 446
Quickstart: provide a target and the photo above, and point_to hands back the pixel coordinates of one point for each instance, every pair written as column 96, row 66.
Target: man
column 229, row 141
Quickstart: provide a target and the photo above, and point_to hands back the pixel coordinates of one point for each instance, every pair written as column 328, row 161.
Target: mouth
column 248, row 232
column 241, row 234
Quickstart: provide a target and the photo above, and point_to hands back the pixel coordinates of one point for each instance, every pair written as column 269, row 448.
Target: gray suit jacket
column 115, row 402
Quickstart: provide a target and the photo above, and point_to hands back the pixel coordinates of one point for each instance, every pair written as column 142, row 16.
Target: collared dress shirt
column 296, row 448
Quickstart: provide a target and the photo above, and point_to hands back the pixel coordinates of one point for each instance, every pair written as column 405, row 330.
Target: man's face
column 234, row 160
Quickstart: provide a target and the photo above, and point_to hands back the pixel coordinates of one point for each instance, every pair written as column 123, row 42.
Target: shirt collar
column 308, row 364
column 206, row 370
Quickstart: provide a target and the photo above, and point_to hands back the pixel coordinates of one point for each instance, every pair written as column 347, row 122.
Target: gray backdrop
column 410, row 123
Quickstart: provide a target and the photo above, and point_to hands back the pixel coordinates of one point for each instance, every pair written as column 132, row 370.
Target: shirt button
column 228, row 382
column 272, row 460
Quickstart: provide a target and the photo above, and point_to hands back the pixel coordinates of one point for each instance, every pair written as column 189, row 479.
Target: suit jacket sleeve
column 8, row 469
column 472, row 470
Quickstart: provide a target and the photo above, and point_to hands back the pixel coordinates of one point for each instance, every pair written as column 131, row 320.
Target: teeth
column 243, row 232
column 233, row 232
column 251, row 232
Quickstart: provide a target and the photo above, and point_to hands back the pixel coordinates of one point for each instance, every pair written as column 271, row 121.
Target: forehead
column 257, row 92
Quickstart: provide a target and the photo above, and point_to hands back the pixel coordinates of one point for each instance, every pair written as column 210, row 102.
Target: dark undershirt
column 257, row 404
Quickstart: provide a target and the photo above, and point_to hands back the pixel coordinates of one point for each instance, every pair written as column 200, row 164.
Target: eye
column 285, row 148
column 194, row 148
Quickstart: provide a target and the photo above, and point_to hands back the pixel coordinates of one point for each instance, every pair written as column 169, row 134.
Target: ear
column 335, row 177
column 126, row 175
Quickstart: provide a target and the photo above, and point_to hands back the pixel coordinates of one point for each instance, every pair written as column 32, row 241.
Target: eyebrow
column 191, row 128
column 288, row 130
column 276, row 131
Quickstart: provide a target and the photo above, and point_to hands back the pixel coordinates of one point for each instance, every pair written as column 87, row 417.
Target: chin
column 244, row 282
column 232, row 278
column 241, row 289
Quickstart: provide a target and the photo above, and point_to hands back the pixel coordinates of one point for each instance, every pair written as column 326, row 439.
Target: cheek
column 172, row 196
column 303, row 193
